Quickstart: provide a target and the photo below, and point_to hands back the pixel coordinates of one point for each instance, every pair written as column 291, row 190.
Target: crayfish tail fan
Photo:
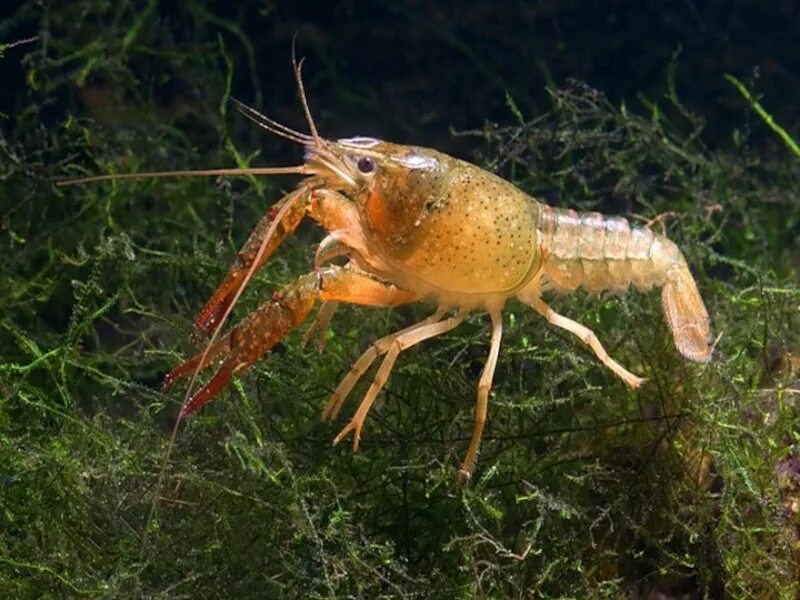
column 686, row 314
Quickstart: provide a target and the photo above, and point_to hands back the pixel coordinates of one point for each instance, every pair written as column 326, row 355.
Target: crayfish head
column 393, row 184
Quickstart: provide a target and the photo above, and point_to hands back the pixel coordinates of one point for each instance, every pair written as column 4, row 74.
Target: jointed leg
column 378, row 348
column 588, row 337
column 333, row 246
column 330, row 209
column 481, row 407
column 215, row 307
column 273, row 321
column 423, row 331
column 320, row 324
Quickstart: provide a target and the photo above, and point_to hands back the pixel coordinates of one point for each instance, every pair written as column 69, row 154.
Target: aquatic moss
column 583, row 488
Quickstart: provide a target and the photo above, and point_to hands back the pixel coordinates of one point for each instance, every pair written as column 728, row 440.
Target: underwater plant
column 686, row 487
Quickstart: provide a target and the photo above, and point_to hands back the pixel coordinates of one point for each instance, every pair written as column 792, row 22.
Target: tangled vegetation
column 688, row 487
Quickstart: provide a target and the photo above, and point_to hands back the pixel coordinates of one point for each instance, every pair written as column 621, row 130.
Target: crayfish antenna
column 298, row 75
column 271, row 125
column 193, row 402
column 294, row 170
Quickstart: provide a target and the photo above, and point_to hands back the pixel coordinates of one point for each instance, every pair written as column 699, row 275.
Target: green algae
column 583, row 488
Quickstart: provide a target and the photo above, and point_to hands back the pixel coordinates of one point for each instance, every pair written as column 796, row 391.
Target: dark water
column 410, row 70
column 583, row 489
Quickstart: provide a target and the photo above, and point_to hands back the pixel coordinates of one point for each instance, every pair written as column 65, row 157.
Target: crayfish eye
column 366, row 164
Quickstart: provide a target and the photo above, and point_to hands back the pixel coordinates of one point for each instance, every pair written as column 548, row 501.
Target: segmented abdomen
column 601, row 253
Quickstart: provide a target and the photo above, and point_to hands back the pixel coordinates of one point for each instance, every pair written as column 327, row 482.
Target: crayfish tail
column 686, row 314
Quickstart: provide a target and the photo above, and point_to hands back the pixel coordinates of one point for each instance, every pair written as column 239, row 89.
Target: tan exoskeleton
column 416, row 224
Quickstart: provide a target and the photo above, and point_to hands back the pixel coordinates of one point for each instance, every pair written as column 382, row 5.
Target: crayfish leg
column 482, row 404
column 406, row 339
column 198, row 362
column 222, row 297
column 320, row 324
column 364, row 362
column 587, row 336
column 274, row 320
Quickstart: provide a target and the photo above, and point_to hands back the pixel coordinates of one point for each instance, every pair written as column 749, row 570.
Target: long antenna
column 276, row 222
column 289, row 202
column 298, row 170
column 272, row 125
column 298, row 75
